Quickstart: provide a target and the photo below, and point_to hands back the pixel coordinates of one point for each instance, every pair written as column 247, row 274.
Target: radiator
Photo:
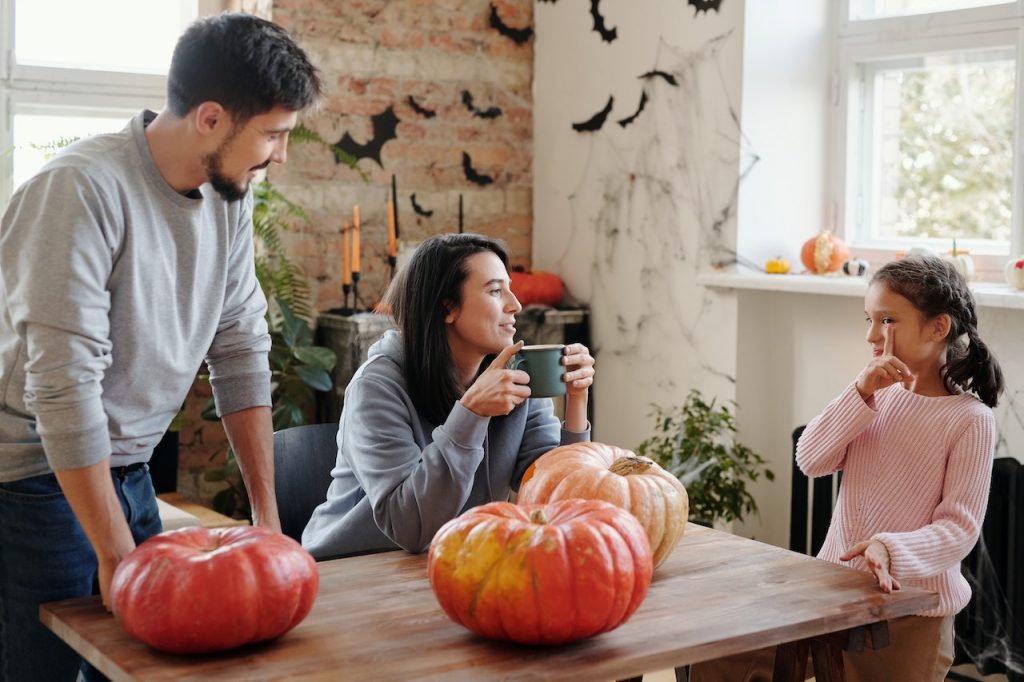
column 990, row 630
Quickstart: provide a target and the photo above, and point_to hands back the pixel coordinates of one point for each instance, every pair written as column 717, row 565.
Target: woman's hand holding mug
column 498, row 390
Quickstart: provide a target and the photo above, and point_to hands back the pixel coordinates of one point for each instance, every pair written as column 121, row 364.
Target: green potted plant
column 696, row 442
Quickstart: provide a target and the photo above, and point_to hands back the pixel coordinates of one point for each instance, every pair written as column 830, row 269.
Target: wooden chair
column 303, row 459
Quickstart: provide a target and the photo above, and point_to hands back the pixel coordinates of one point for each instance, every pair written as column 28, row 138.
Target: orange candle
column 346, row 256
column 392, row 247
column 355, row 238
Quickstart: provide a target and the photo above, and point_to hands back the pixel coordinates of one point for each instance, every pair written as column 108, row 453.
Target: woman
column 432, row 425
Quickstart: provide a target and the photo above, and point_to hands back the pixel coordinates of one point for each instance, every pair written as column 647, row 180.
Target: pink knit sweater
column 916, row 474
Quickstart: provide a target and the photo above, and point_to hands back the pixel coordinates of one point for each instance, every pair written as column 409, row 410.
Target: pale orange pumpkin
column 595, row 471
column 824, row 253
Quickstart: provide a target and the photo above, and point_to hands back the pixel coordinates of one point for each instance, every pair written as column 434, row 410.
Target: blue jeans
column 45, row 556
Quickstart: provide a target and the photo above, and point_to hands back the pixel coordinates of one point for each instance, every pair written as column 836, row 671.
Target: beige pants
column 920, row 650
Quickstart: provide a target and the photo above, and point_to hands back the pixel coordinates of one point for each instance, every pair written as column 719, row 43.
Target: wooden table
column 376, row 619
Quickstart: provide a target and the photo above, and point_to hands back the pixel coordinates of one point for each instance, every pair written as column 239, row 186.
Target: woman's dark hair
column 246, row 64
column 420, row 298
column 935, row 287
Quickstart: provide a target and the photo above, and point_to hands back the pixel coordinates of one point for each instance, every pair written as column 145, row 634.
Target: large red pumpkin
column 595, row 471
column 198, row 590
column 541, row 574
column 545, row 288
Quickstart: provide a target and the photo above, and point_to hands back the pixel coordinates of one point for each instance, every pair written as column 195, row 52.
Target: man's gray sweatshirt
column 113, row 289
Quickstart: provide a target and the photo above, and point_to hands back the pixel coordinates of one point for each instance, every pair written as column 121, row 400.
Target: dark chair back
column 303, row 459
column 819, row 496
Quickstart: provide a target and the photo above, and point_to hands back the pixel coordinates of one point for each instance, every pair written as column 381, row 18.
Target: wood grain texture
column 376, row 618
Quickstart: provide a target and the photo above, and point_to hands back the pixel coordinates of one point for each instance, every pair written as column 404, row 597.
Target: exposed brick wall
column 374, row 54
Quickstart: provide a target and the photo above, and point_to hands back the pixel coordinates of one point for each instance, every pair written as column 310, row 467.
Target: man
column 125, row 263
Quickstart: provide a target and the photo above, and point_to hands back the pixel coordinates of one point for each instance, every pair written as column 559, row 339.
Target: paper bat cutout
column 597, row 120
column 492, row 112
column 607, row 34
column 704, row 5
column 629, row 119
column 669, row 78
column 471, row 173
column 384, row 126
column 419, row 209
column 420, row 109
column 517, row 35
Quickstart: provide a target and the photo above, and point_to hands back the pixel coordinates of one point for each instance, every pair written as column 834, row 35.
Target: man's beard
column 227, row 188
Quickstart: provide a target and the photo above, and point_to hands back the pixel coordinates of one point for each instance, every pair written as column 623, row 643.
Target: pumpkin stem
column 539, row 517
column 630, row 464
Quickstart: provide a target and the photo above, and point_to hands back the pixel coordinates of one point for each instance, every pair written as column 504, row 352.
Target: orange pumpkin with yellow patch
column 540, row 574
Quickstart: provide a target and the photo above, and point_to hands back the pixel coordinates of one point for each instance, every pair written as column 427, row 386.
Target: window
column 69, row 69
column 925, row 132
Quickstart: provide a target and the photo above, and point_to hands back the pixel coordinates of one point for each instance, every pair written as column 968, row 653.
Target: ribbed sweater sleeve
column 956, row 522
column 823, row 445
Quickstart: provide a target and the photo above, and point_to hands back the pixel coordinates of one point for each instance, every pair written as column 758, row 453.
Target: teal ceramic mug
column 544, row 365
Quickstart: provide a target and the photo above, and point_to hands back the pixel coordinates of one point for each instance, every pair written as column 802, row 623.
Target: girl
column 914, row 437
column 915, row 447
column 432, row 425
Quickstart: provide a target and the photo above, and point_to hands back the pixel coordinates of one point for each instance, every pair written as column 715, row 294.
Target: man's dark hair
column 246, row 64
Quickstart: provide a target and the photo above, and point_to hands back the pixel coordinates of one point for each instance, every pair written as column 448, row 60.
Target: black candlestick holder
column 392, row 263
column 355, row 292
column 346, row 289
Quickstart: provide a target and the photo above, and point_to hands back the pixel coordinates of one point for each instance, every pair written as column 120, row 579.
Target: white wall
column 786, row 107
column 629, row 215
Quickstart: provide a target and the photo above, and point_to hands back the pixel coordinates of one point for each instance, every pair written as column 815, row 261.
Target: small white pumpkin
column 962, row 262
column 1014, row 273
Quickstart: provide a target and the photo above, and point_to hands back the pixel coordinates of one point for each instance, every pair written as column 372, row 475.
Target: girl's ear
column 941, row 324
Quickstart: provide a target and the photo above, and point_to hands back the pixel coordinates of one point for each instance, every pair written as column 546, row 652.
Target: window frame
column 859, row 43
column 25, row 88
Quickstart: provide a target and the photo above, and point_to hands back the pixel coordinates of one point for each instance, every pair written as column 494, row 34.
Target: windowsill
column 988, row 294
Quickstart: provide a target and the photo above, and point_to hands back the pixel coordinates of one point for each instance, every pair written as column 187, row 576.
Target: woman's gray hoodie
column 398, row 478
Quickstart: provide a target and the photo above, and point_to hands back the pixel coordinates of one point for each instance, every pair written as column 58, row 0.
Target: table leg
column 790, row 662
column 683, row 674
column 828, row 660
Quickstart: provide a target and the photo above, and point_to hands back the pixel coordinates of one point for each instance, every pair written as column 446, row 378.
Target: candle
column 394, row 200
column 392, row 246
column 355, row 238
column 346, row 256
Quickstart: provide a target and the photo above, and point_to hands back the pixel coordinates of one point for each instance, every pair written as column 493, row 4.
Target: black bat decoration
column 420, row 109
column 471, row 173
column 705, row 5
column 384, row 127
column 419, row 209
column 629, row 119
column 669, row 78
column 597, row 120
column 517, row 35
column 550, row 2
column 607, row 34
column 492, row 112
